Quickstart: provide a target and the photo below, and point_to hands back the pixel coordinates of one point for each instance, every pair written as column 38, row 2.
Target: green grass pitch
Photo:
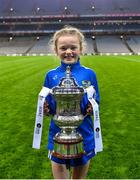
column 21, row 79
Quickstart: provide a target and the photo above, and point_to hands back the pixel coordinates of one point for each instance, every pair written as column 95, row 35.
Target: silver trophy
column 68, row 143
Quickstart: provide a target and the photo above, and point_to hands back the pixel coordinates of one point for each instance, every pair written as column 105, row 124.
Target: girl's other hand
column 89, row 109
column 46, row 108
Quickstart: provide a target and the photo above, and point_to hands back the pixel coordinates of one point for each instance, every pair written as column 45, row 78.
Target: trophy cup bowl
column 68, row 143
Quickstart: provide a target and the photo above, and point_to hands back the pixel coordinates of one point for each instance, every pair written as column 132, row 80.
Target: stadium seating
column 32, row 45
column 89, row 46
column 111, row 44
column 134, row 43
column 18, row 45
column 42, row 46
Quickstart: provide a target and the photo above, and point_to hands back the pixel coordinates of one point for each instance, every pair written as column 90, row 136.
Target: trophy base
column 68, row 147
column 68, row 151
column 62, row 156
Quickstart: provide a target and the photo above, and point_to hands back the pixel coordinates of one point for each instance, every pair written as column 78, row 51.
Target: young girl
column 68, row 45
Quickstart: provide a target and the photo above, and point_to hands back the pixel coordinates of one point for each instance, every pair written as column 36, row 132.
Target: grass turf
column 21, row 79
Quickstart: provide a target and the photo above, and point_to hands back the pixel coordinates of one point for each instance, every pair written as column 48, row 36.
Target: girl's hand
column 46, row 108
column 89, row 109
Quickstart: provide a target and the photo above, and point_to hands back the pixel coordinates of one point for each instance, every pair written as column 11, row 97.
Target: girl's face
column 68, row 48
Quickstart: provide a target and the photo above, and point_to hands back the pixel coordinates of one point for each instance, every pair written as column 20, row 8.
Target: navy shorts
column 73, row 162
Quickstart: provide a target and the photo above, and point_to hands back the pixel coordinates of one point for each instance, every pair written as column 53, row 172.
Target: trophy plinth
column 68, row 143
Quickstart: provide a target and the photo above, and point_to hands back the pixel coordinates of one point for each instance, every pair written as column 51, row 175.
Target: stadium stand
column 89, row 46
column 134, row 43
column 111, row 44
column 17, row 45
column 42, row 46
column 102, row 22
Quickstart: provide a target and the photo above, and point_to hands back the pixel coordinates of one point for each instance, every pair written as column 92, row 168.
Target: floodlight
column 11, row 9
column 93, row 7
column 10, row 38
column 38, row 9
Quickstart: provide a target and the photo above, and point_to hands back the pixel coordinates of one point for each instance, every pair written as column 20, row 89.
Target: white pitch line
column 133, row 60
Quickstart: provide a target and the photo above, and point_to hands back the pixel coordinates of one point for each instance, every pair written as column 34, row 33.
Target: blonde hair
column 68, row 30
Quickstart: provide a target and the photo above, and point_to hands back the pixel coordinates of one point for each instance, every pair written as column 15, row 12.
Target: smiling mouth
column 68, row 56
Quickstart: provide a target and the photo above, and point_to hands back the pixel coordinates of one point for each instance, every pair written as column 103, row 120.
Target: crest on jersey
column 86, row 83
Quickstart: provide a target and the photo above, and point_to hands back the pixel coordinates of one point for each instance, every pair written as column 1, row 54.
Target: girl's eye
column 63, row 48
column 73, row 48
